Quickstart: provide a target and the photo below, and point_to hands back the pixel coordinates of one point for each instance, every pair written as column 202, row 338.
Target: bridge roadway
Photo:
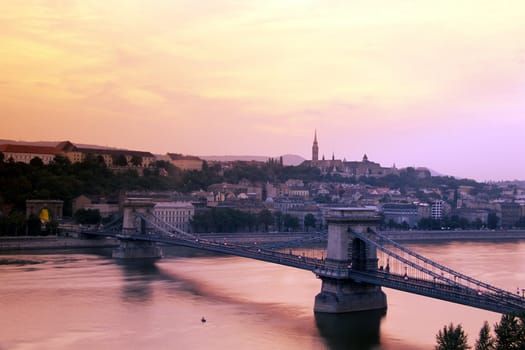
column 500, row 302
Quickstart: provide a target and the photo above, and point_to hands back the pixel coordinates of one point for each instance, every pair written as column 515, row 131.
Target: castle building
column 78, row 154
column 345, row 168
column 25, row 153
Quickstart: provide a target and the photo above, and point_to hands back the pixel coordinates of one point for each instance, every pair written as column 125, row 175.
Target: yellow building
column 184, row 162
column 76, row 154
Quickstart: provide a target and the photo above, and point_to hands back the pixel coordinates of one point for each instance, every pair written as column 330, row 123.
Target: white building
column 439, row 209
column 177, row 214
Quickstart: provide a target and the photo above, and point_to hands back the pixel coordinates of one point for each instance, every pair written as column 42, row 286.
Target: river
column 84, row 299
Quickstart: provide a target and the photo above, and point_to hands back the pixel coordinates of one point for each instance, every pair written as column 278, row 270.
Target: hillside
column 288, row 159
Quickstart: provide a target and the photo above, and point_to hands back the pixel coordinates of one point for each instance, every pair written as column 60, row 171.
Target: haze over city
column 435, row 84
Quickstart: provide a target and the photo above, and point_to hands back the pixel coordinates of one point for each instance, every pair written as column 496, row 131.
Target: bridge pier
column 134, row 225
column 345, row 251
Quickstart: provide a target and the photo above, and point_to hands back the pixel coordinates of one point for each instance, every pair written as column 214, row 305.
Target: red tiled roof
column 29, row 149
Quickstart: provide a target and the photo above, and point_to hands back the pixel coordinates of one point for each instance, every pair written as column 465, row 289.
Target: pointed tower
column 315, row 148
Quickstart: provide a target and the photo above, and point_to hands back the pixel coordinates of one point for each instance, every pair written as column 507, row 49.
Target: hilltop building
column 365, row 167
column 315, row 149
column 184, row 162
column 110, row 156
column 24, row 153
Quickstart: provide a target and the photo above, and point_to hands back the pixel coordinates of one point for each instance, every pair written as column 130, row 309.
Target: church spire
column 315, row 148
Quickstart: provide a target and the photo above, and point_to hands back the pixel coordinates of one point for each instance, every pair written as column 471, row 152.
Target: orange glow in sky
column 416, row 83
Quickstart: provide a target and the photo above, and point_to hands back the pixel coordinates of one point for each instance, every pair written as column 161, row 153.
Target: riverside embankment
column 58, row 242
column 53, row 242
column 455, row 235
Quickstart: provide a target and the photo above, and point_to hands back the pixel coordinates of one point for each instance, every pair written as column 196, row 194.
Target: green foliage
column 136, row 160
column 492, row 221
column 485, row 340
column 120, row 160
column 34, row 226
column 510, row 333
column 231, row 220
column 451, row 338
column 291, row 223
column 88, row 216
column 36, row 162
column 265, row 218
column 13, row 224
column 223, row 220
column 309, row 220
column 449, row 223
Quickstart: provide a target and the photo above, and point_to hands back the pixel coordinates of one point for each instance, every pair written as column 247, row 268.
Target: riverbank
column 54, row 242
column 57, row 242
column 459, row 235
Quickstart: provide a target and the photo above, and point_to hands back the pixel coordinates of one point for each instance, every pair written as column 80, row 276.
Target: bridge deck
column 429, row 282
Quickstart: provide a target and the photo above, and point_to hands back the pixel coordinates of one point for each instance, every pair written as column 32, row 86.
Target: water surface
column 75, row 299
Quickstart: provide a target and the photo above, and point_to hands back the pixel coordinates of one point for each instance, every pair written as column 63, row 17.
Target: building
column 177, row 214
column 438, row 209
column 365, row 167
column 185, row 162
column 25, row 153
column 45, row 209
column 104, row 208
column 400, row 213
column 510, row 214
column 112, row 157
column 315, row 149
column 473, row 215
column 299, row 192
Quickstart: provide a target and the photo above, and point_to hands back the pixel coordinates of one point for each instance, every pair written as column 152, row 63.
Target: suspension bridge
column 358, row 260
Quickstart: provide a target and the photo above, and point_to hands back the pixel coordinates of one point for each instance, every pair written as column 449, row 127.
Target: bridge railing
column 438, row 277
column 440, row 267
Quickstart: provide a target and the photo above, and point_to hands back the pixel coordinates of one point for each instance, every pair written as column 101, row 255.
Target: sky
column 439, row 84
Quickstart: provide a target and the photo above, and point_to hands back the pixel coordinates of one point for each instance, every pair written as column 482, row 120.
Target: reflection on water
column 138, row 276
column 351, row 331
column 85, row 299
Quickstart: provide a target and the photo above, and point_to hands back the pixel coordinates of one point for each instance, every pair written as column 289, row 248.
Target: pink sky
column 416, row 83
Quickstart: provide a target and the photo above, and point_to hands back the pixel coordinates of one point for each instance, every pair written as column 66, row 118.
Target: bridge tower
column 135, row 225
column 345, row 251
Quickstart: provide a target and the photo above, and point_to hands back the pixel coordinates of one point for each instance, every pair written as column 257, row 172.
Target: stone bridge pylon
column 346, row 251
column 133, row 225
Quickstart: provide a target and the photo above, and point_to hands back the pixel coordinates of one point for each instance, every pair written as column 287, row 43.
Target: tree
column 136, row 160
column 88, row 216
column 34, row 226
column 120, row 160
column 265, row 218
column 278, row 217
column 509, row 333
column 36, row 162
column 309, row 220
column 451, row 338
column 492, row 221
column 290, row 222
column 485, row 340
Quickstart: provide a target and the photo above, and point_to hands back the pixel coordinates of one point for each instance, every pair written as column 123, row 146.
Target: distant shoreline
column 460, row 235
column 53, row 242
